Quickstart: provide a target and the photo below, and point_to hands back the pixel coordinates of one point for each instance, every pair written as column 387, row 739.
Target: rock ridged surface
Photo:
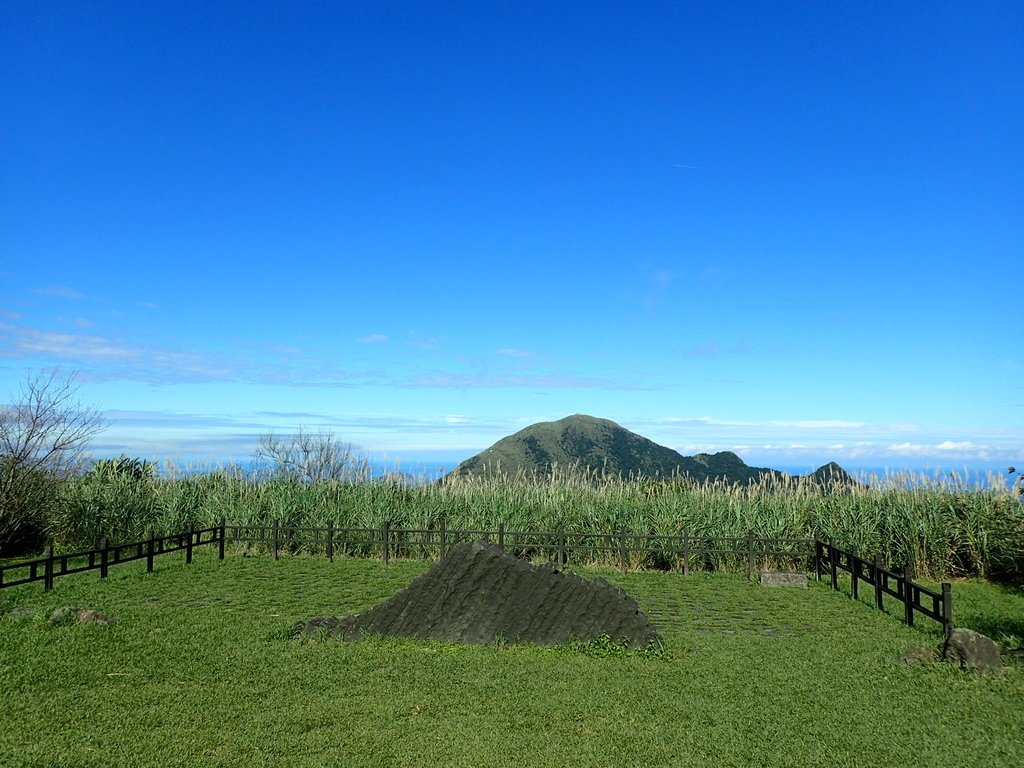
column 480, row 594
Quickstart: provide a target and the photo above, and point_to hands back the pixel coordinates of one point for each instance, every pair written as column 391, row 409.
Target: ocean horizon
column 430, row 466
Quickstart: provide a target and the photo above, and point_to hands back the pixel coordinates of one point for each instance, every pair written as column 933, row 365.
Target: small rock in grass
column 920, row 655
column 68, row 614
column 19, row 613
column 971, row 650
column 89, row 616
column 64, row 615
column 782, row 579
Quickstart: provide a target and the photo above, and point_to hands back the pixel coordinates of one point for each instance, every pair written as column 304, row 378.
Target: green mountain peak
column 586, row 444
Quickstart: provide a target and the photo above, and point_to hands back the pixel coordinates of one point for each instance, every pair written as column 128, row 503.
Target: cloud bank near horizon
column 530, row 382
column 231, row 437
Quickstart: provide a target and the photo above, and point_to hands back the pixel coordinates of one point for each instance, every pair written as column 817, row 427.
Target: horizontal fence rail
column 898, row 583
column 681, row 551
column 51, row 566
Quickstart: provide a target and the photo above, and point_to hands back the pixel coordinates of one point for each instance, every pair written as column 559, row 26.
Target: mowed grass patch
column 199, row 670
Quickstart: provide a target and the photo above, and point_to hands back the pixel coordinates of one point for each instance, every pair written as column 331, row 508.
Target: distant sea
column 434, row 465
column 970, row 475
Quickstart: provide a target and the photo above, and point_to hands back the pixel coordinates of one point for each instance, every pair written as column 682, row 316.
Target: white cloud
column 447, row 380
column 809, row 424
column 511, row 352
column 956, row 449
column 60, row 291
column 373, row 338
column 964, row 445
column 29, row 342
column 819, row 424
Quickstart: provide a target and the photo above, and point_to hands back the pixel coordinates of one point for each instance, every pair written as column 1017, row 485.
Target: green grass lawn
column 199, row 671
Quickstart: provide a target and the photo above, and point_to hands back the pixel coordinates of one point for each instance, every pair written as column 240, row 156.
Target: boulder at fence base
column 481, row 594
column 971, row 650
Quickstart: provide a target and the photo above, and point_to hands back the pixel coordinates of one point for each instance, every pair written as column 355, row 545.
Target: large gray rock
column 971, row 650
column 478, row 594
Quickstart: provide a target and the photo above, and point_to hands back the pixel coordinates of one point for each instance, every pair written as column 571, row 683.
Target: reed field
column 943, row 529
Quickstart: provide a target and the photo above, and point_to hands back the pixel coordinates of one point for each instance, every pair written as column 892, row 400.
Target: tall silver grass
column 940, row 527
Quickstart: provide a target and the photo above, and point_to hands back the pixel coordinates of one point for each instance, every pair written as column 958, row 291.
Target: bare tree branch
column 312, row 457
column 44, row 432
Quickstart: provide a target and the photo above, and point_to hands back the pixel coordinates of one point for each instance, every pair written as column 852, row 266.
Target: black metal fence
column 50, row 566
column 679, row 552
column 898, row 583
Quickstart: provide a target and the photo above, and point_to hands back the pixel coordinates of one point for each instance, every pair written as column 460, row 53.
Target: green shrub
column 102, row 505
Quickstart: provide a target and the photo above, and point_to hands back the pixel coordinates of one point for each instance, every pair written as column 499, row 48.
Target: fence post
column 750, row 555
column 48, row 573
column 817, row 558
column 561, row 548
column 908, row 596
column 947, row 608
column 330, row 541
column 385, row 534
column 223, row 531
column 686, row 552
column 150, row 546
column 832, row 563
column 876, row 567
column 501, row 536
column 444, row 536
column 855, row 562
column 188, row 545
column 104, row 557
column 277, row 536
column 623, row 554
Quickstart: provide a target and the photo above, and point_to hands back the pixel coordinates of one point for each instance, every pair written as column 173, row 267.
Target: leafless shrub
column 312, row 457
column 44, row 432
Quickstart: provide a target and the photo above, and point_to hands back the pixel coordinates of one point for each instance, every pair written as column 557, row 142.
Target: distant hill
column 586, row 443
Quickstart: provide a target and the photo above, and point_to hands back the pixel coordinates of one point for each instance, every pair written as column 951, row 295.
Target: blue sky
column 793, row 230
